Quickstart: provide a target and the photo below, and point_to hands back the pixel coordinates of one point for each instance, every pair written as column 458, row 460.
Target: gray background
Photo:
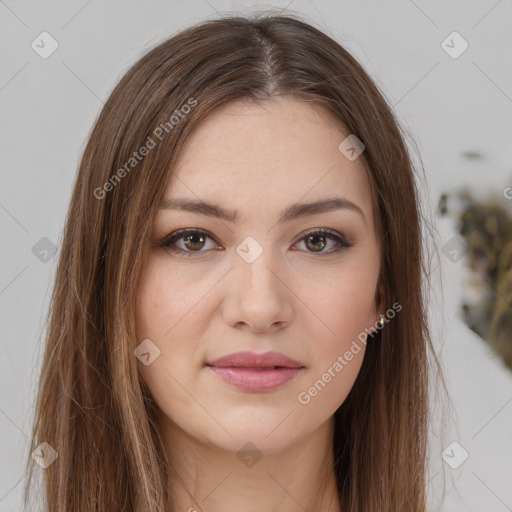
column 449, row 106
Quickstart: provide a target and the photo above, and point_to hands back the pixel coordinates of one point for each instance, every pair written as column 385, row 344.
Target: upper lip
column 254, row 360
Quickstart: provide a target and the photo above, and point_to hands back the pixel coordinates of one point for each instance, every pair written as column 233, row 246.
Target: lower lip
column 250, row 379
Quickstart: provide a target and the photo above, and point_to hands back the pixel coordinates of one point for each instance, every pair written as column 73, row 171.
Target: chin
column 269, row 428
column 248, row 438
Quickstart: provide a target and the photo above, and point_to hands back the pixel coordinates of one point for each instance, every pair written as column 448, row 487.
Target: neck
column 297, row 478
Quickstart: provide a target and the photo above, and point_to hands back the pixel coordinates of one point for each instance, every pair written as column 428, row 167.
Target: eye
column 194, row 240
column 316, row 241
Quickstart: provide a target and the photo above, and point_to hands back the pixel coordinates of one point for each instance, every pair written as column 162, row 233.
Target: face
column 256, row 274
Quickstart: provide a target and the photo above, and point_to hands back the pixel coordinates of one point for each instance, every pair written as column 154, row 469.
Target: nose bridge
column 258, row 268
column 259, row 297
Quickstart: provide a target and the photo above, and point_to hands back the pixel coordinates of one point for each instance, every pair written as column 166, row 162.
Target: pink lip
column 256, row 372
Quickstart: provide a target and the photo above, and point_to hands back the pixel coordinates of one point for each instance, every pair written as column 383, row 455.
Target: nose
column 259, row 297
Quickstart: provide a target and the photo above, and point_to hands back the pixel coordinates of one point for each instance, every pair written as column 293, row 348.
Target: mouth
column 253, row 372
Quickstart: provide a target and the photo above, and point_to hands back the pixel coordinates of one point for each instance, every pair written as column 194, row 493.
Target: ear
column 379, row 307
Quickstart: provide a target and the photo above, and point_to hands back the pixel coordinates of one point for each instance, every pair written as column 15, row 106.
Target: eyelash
column 167, row 243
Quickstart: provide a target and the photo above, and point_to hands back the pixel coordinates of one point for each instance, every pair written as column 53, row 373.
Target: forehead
column 246, row 156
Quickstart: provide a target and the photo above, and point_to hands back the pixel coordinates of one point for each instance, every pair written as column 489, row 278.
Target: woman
column 237, row 319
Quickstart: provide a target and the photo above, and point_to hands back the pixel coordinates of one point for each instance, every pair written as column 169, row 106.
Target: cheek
column 336, row 359
column 151, row 305
column 164, row 301
column 163, row 315
column 345, row 319
column 339, row 303
column 168, row 313
column 337, row 332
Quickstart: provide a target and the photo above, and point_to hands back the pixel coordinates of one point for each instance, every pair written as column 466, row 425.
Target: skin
column 308, row 305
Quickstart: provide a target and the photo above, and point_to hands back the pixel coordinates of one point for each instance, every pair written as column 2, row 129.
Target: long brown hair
column 93, row 407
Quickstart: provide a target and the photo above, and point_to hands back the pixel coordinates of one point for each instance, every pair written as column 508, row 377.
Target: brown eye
column 194, row 242
column 188, row 241
column 317, row 241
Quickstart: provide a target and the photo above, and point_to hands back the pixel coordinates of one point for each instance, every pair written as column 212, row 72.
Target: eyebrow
column 292, row 212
